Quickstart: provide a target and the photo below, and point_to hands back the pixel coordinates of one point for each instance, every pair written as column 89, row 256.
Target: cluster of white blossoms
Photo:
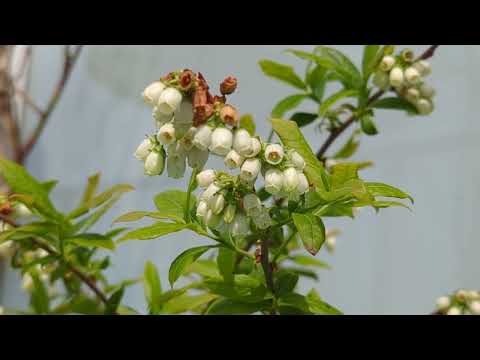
column 407, row 77
column 191, row 125
column 463, row 302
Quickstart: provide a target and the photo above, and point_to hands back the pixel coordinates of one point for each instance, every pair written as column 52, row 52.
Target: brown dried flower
column 228, row 86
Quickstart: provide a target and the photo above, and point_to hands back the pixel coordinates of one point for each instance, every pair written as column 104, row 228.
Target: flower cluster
column 407, row 77
column 463, row 302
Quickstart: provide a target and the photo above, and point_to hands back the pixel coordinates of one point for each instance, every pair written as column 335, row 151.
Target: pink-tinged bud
column 187, row 78
column 206, row 178
column 222, row 140
column 229, row 115
column 228, row 86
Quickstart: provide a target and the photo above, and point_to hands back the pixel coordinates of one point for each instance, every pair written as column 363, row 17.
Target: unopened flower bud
column 152, row 93
column 424, row 106
column 331, row 243
column 274, row 181
column 212, row 220
column 21, row 211
column 154, row 164
column 412, row 95
column 211, row 190
column 407, row 55
column 412, row 76
column 233, row 160
column 217, row 203
column 423, row 67
column 387, row 63
column 203, row 137
column 297, row 160
column 222, row 140
column 454, row 311
column 206, row 178
column 443, row 303
column 255, row 148
column 229, row 213
column 169, row 101
column 381, row 80
column 27, row 282
column 242, row 142
column 228, row 86
column 475, row 307
column 240, row 226
column 229, row 115
column 303, row 184
column 274, row 154
column 186, row 80
column 166, row 134
column 291, row 180
column 176, row 161
column 251, row 203
column 427, row 91
column 396, row 77
column 197, row 158
column 250, row 170
column 143, row 150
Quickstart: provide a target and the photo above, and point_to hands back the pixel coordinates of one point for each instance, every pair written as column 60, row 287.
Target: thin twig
column 29, row 101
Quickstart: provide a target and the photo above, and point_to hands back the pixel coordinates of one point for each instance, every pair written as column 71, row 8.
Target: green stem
column 191, row 185
column 283, row 247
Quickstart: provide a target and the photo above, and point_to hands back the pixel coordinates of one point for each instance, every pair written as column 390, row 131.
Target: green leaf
column 226, row 263
column 350, row 147
column 287, row 104
column 343, row 66
column 154, row 231
column 379, row 189
column 293, row 303
column 92, row 240
column 171, row 204
column 282, row 72
column 185, row 303
column 39, row 299
column 332, row 100
column 292, row 137
column 368, row 126
column 341, row 173
column 91, row 220
column 386, row 204
column 205, row 268
column 138, row 215
column 317, row 81
column 247, row 123
column 90, row 190
column 318, row 307
column 370, row 60
column 114, row 302
column 285, row 282
column 309, row 261
column 152, row 286
column 311, row 231
column 49, row 185
column 303, row 119
column 181, row 263
column 234, row 307
column 395, row 103
column 336, row 210
column 29, row 230
column 245, row 288
column 21, row 182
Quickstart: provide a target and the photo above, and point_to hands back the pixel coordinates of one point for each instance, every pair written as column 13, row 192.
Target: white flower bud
column 251, row 203
column 233, row 160
column 202, row 209
column 152, row 93
column 27, row 282
column 160, row 118
column 229, row 213
column 454, row 311
column 274, row 154
column 154, row 164
column 297, row 160
column 176, row 161
column 424, row 106
column 255, row 148
column 274, row 181
column 423, row 67
column 475, row 307
column 21, row 211
column 203, row 137
column 217, row 203
column 222, row 140
column 303, row 184
column 331, row 243
column 443, row 303
column 212, row 220
column 166, row 134
column 169, row 101
column 427, row 91
column 7, row 249
column 40, row 254
column 242, row 142
column 396, row 77
column 290, row 180
column 412, row 76
column 250, row 170
column 240, row 226
column 381, row 80
column 387, row 63
column 197, row 158
column 412, row 95
column 211, row 190
column 143, row 150
column 206, row 178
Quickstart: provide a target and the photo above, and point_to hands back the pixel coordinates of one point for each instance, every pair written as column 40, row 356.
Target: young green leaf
column 171, row 204
column 90, row 190
column 309, row 261
column 138, row 215
column 368, row 126
column 395, row 103
column 285, row 282
column 154, row 231
column 181, row 263
column 92, row 240
column 233, row 307
column 350, row 147
column 282, row 72
column 152, row 286
column 311, row 231
column 332, row 100
column 226, row 263
column 370, row 60
column 303, row 119
column 318, row 307
column 247, row 123
column 379, row 189
column 341, row 173
column 287, row 104
column 317, row 81
column 343, row 66
column 39, row 299
column 114, row 302
column 186, row 303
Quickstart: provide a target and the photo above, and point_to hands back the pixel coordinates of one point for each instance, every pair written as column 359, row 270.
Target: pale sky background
column 397, row 262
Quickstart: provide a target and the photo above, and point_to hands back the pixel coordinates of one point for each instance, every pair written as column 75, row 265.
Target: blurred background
column 396, row 262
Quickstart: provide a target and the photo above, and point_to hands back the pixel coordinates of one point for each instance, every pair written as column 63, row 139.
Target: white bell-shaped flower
column 169, row 101
column 152, row 93
column 474, row 307
column 251, row 204
column 229, row 213
column 397, row 77
column 233, row 160
column 274, row 154
column 423, row 67
column 454, row 311
column 255, row 148
column 166, row 134
column 217, row 203
column 427, row 91
column 212, row 220
column 242, row 142
column 21, row 211
column 303, row 184
column 143, row 150
column 154, row 164
column 443, row 303
column 290, row 180
column 206, row 178
column 202, row 209
column 297, row 160
column 203, row 137
column 274, row 180
column 222, row 140
column 412, row 76
column 387, row 63
column 211, row 190
column 240, row 226
column 424, row 106
column 250, row 170
column 160, row 118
